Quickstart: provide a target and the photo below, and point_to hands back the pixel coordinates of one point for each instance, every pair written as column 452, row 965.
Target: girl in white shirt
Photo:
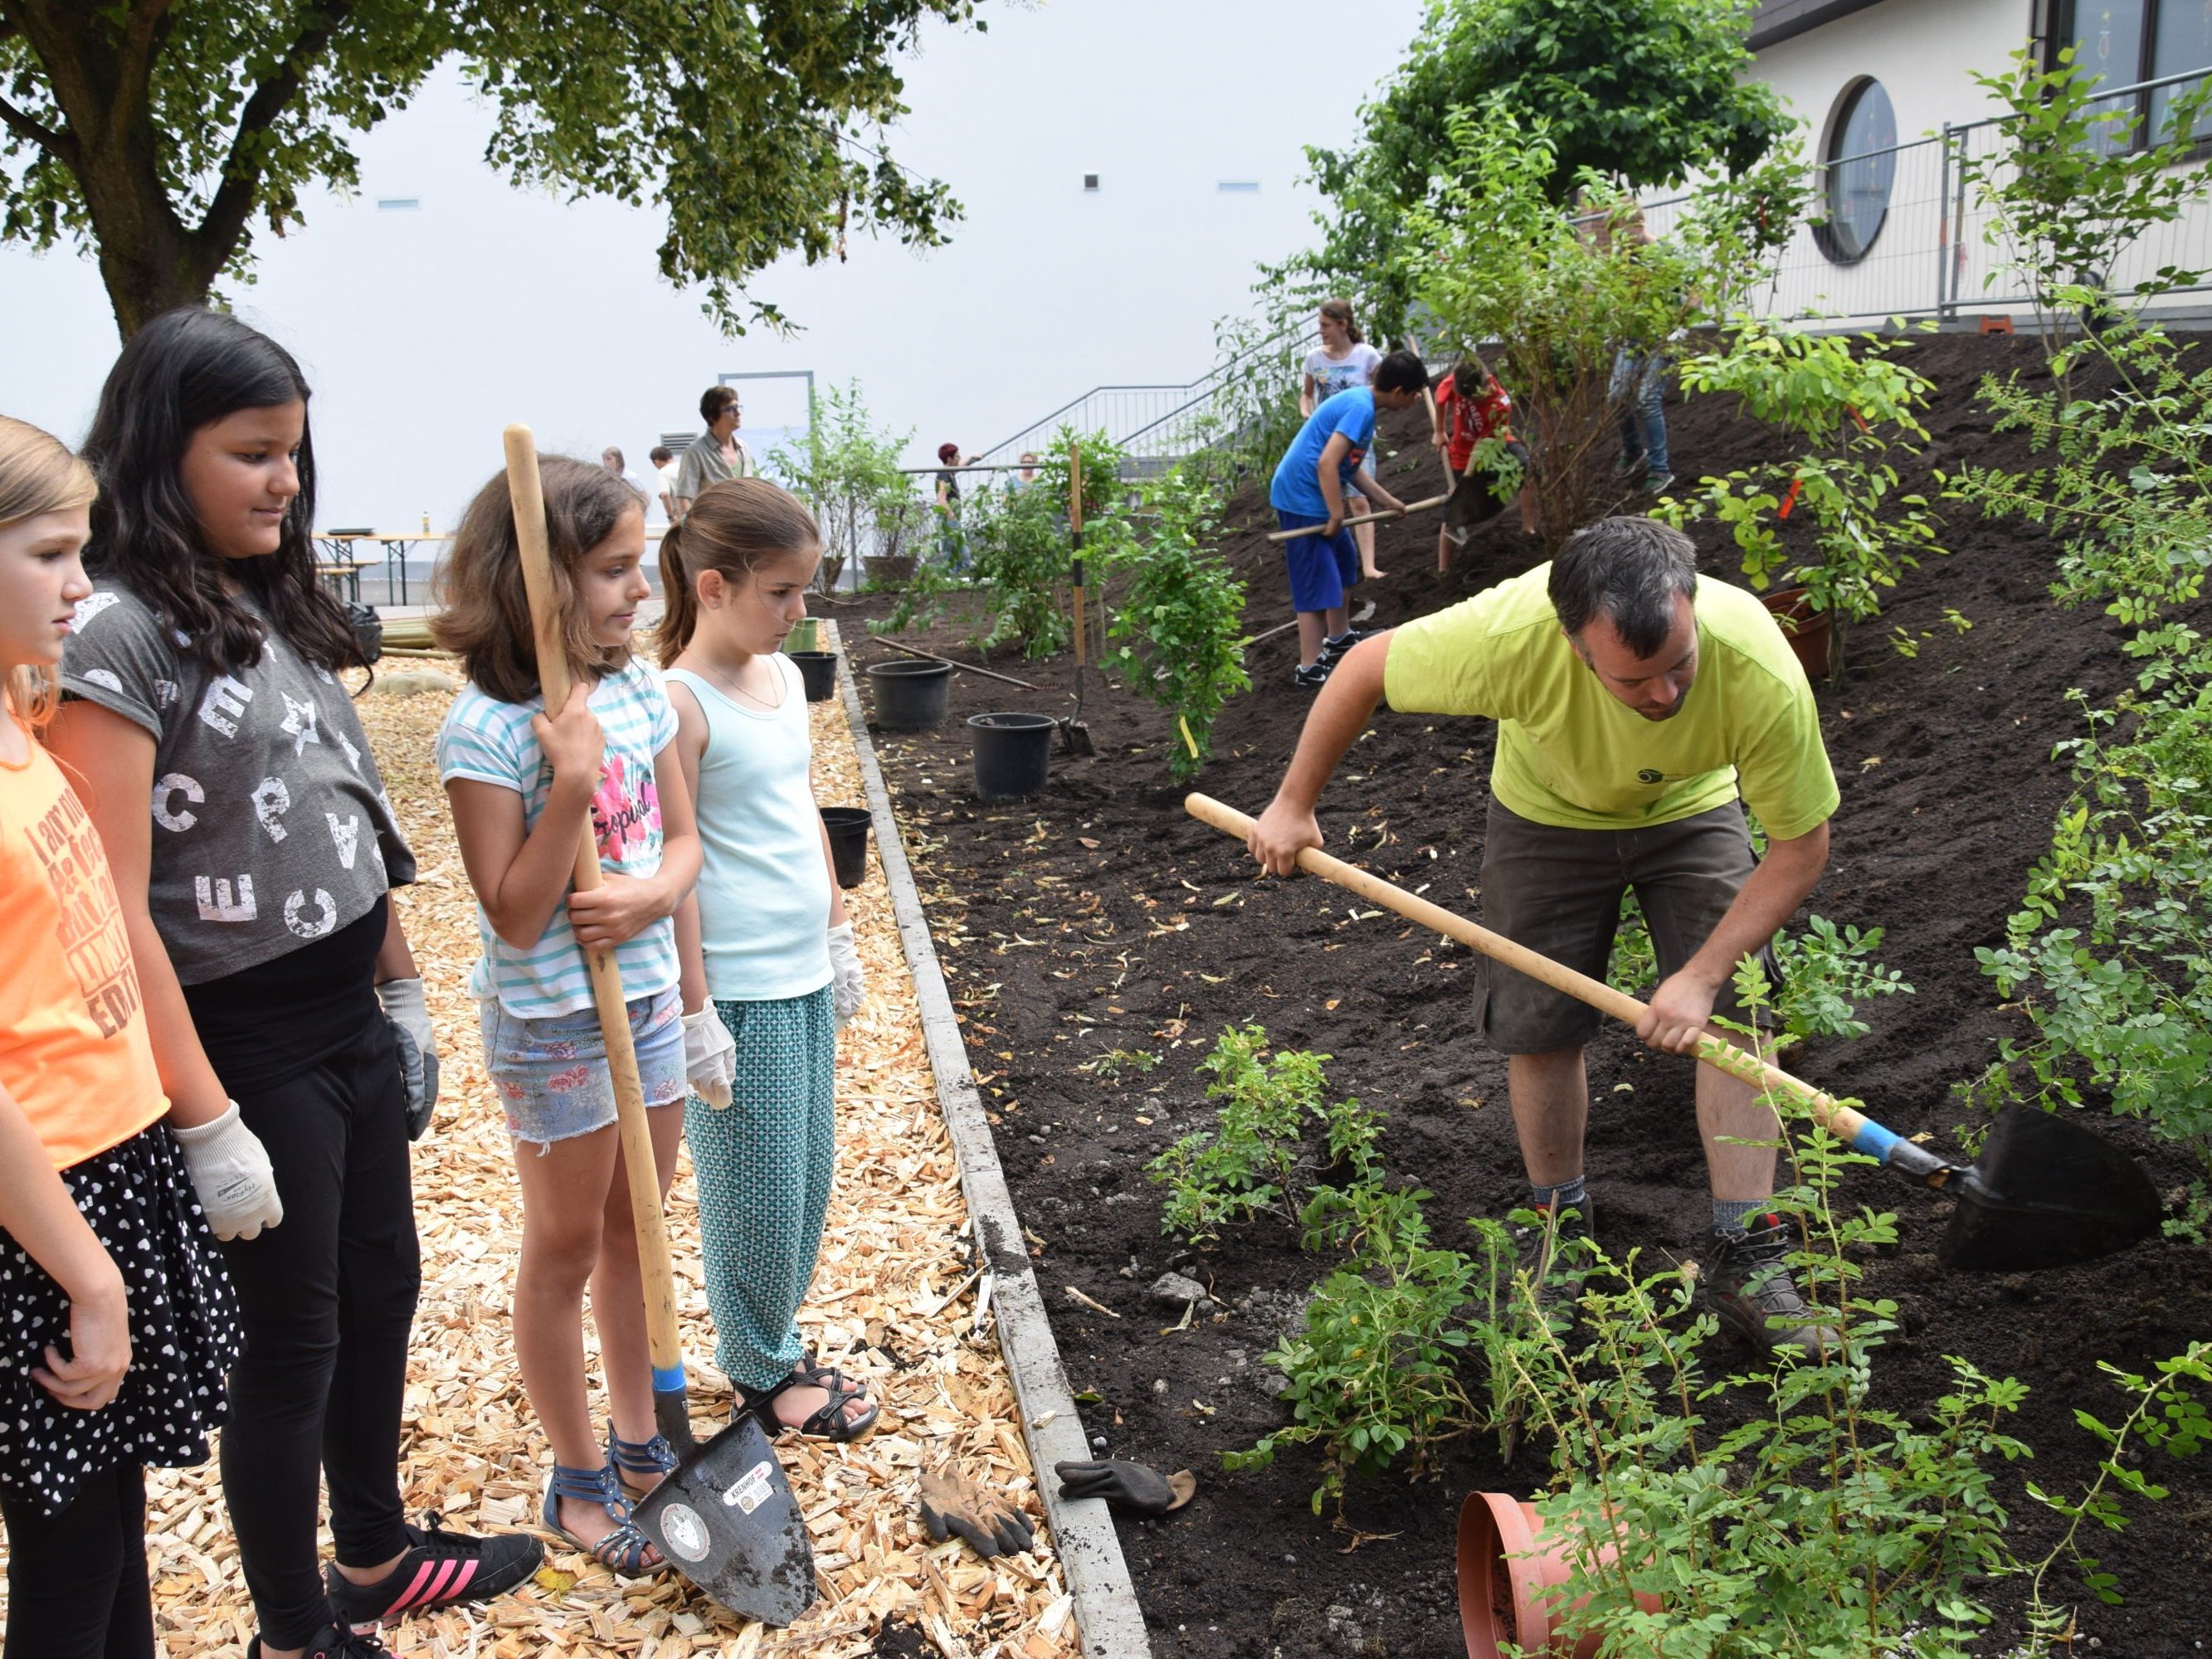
column 1342, row 361
column 764, row 936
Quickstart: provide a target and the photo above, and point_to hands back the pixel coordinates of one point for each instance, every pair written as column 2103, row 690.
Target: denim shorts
column 552, row 1075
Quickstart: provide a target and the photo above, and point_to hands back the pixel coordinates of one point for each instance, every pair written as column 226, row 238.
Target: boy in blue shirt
column 1330, row 453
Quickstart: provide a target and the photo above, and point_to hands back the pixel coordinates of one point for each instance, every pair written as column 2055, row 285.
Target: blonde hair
column 735, row 526
column 37, row 474
column 485, row 618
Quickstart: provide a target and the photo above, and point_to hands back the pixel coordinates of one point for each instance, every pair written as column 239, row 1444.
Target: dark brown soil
column 1098, row 916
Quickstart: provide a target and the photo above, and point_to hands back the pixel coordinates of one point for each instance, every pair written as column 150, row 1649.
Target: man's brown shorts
column 1559, row 891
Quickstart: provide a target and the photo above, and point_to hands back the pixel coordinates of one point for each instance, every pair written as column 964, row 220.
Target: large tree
column 155, row 134
column 1642, row 91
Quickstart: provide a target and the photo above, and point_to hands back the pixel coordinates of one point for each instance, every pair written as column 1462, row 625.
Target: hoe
column 2043, row 1193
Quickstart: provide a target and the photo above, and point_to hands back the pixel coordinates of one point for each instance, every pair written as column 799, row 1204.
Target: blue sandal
column 625, row 1549
column 628, row 1457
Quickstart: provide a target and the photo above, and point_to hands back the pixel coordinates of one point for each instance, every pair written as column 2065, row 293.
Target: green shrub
column 1255, row 1158
column 1178, row 629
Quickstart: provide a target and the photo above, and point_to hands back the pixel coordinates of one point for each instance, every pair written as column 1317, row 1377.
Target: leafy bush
column 1255, row 1160
column 1826, row 971
column 1852, row 408
column 1374, row 1371
column 2125, row 1003
column 1178, row 631
column 847, row 472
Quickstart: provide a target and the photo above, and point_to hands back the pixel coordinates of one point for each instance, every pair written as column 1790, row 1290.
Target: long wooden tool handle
column 1075, row 540
column 1364, row 518
column 1839, row 1119
column 663, row 1339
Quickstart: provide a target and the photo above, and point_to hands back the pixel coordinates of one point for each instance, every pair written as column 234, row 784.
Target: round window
column 1860, row 164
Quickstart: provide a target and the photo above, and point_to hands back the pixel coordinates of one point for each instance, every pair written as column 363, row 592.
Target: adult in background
column 1638, row 386
column 1324, row 469
column 611, row 459
column 1342, row 361
column 717, row 454
column 1026, row 477
column 1635, row 703
column 663, row 466
column 949, row 542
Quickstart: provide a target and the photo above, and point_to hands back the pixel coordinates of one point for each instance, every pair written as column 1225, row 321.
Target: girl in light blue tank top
column 765, row 937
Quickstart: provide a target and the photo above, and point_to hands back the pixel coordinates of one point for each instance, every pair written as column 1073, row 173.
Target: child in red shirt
column 1471, row 406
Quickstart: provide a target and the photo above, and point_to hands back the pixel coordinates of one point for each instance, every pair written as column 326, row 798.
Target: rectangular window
column 398, row 203
column 2119, row 43
column 1237, row 186
column 2181, row 40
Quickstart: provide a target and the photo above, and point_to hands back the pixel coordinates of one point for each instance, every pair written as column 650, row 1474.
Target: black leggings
column 328, row 1298
column 77, row 1581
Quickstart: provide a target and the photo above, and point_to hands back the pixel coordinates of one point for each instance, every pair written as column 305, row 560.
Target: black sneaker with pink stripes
column 439, row 1569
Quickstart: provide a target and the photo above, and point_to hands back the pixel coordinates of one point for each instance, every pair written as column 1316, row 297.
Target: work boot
column 1554, row 1253
column 1749, row 1287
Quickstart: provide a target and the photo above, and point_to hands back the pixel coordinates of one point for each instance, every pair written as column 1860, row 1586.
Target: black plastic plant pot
column 818, row 669
column 911, row 696
column 849, row 842
column 1013, row 753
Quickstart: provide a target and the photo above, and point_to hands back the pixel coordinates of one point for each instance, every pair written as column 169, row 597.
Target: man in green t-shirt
column 1639, row 709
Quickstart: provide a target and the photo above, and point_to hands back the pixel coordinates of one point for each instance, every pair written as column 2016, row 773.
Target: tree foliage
column 1642, row 91
column 155, row 134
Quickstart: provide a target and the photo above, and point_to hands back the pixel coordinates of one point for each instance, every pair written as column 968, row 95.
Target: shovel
column 2045, row 1192
column 1364, row 518
column 1074, row 735
column 726, row 1519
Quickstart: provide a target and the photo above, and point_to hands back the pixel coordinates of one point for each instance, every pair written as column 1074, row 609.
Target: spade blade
column 727, row 1521
column 2045, row 1193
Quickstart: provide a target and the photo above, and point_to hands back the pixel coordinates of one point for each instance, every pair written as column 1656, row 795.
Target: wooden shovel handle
column 663, row 1340
column 1839, row 1120
column 1364, row 518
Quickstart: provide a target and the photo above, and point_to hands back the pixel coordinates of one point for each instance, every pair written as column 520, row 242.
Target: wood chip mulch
column 893, row 1302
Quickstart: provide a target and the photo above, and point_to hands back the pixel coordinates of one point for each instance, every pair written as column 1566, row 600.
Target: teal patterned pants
column 764, row 1168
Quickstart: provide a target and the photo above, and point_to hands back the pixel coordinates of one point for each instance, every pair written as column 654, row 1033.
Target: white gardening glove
column 848, row 987
column 409, row 1016
column 230, row 1172
column 710, row 1057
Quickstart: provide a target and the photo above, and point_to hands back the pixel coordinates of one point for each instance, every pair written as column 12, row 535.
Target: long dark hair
column 186, row 369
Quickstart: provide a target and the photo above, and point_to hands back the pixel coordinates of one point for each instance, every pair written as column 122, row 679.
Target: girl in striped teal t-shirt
column 522, row 788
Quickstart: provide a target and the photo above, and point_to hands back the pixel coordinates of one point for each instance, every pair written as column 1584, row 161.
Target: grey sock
column 1569, row 1194
column 1729, row 1215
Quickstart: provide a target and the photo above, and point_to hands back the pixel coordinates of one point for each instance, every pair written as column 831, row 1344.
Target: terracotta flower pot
column 1509, row 1594
column 1810, row 632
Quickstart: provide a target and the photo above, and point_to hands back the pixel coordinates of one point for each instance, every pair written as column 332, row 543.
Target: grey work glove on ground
column 1131, row 1487
column 409, row 1016
column 710, row 1057
column 848, row 988
column 988, row 1520
column 230, row 1172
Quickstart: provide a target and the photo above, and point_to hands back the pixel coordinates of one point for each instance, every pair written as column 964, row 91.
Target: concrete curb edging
column 1111, row 1623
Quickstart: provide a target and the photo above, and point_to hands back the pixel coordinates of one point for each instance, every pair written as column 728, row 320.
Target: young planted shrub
column 847, row 472
column 1254, row 1159
column 1832, row 519
column 1178, row 631
column 1375, row 1368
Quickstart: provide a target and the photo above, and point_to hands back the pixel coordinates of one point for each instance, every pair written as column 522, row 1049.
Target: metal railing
column 1157, row 425
column 1932, row 255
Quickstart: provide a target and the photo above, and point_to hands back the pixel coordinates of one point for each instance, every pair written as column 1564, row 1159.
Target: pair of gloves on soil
column 952, row 1504
column 229, row 1165
column 710, row 1054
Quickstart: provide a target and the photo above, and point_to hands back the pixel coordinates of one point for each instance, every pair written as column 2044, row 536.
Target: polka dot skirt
column 184, row 1332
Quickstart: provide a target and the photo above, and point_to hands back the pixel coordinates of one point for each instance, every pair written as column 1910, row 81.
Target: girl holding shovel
column 120, row 1319
column 253, row 851
column 765, row 937
column 523, row 783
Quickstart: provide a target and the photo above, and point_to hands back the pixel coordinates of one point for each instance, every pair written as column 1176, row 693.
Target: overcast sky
column 423, row 331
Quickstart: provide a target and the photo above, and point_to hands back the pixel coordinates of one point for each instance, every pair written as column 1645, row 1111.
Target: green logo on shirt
column 1650, row 774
